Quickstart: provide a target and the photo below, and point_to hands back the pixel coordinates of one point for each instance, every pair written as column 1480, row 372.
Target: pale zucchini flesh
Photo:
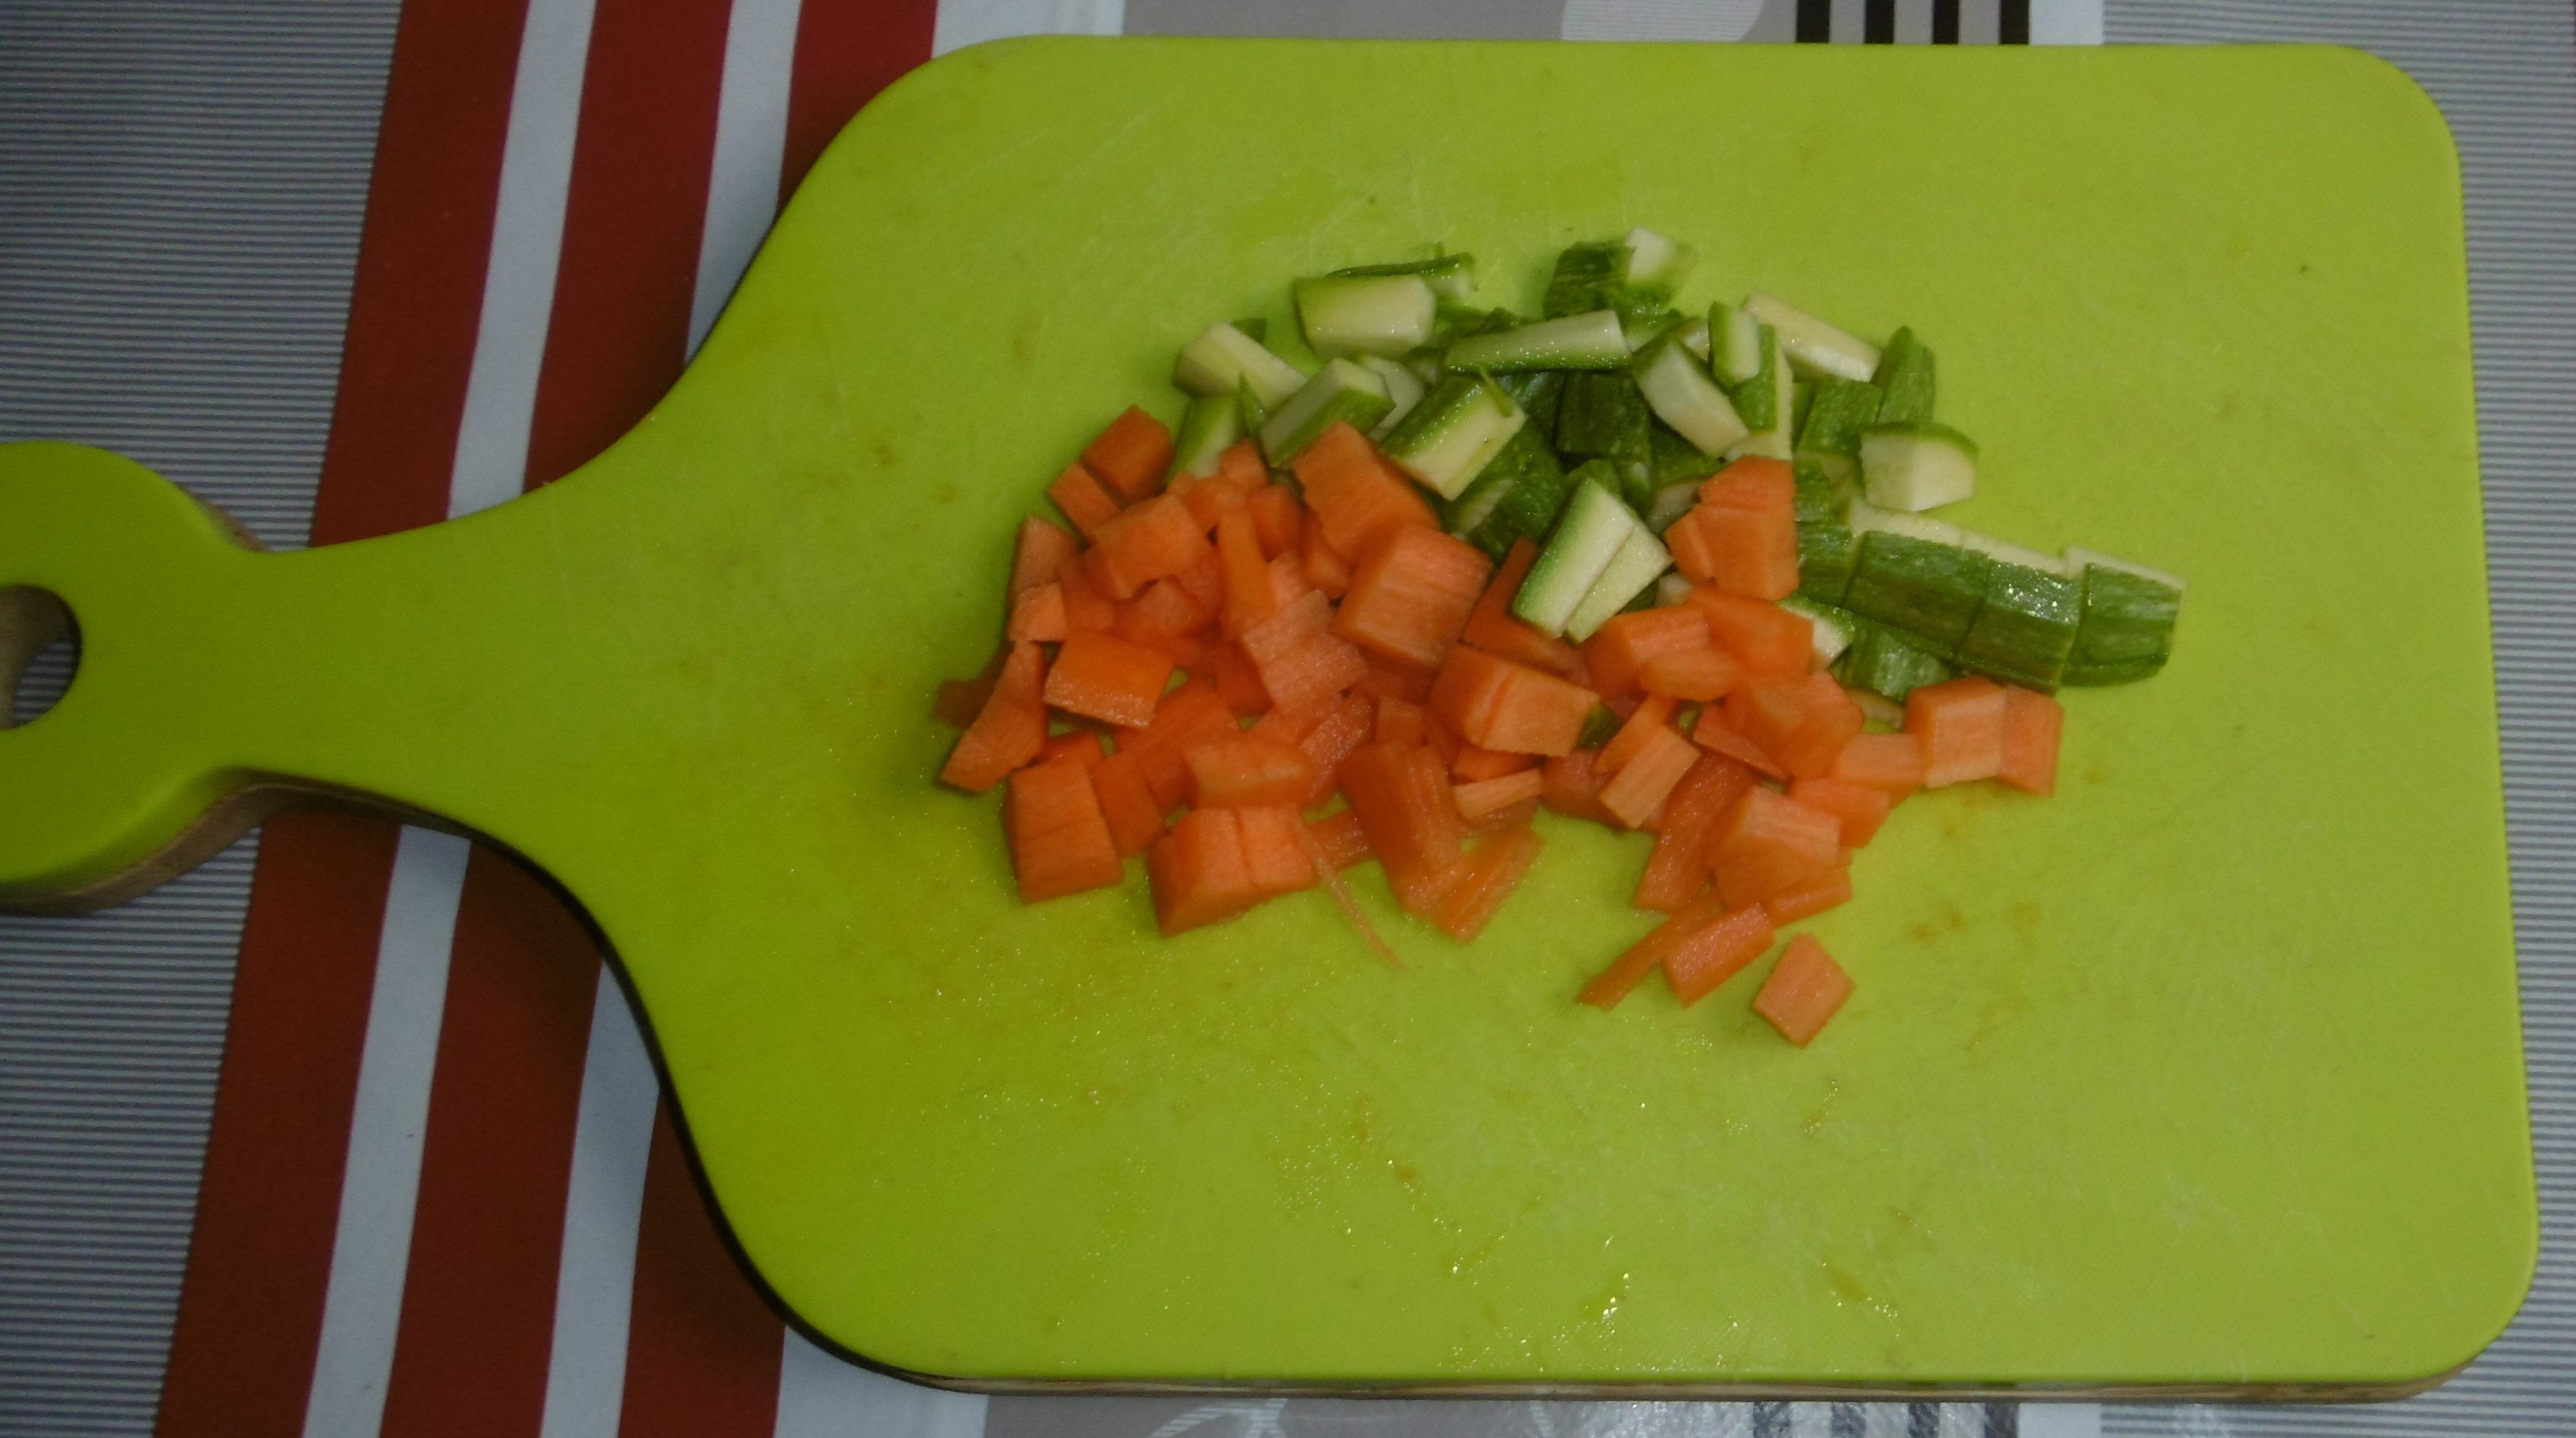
column 1916, row 466
column 1586, row 539
column 1365, row 314
column 1209, row 424
column 1341, row 391
column 1682, row 395
column 1812, row 345
column 1223, row 359
column 1639, row 561
column 1453, row 433
column 1591, row 340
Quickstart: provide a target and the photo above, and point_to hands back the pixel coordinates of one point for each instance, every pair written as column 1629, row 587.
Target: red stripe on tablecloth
column 846, row 51
column 631, row 225
column 479, row 1301
column 250, row 1312
column 702, row 1351
column 418, row 293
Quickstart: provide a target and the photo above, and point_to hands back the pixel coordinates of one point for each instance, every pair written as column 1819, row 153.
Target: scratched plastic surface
column 2206, row 1071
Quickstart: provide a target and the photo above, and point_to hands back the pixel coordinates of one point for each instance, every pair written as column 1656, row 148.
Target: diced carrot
column 1961, row 723
column 1082, row 745
column 1444, row 741
column 1619, row 650
column 1803, row 723
column 2033, row 723
column 1770, row 843
column 1283, row 724
column 1322, row 564
column 1037, row 615
column 1131, row 455
column 1127, row 802
column 1749, row 552
column 1332, row 741
column 1009, row 731
column 1060, row 844
column 1291, row 626
column 1410, row 595
column 1143, row 544
column 1491, row 627
column 1249, row 595
column 1646, row 955
column 1694, row 675
column 1040, row 551
column 1164, row 617
column 1084, row 499
column 1642, row 784
column 1772, row 642
column 1199, row 871
column 1412, row 824
column 1278, row 518
column 1494, row 703
column 1204, row 581
column 1321, row 665
column 1274, row 850
column 1827, row 889
column 1484, row 797
column 1399, row 721
column 1471, row 764
column 1492, row 872
column 1469, row 686
column 1859, row 808
column 1086, row 609
column 1693, row 544
column 1755, row 483
column 1717, row 736
column 1209, row 498
column 1805, row 989
column 1236, row 681
column 1241, row 465
column 960, row 700
column 1248, row 773
column 1573, row 786
column 1716, row 951
column 1104, row 677
column 1355, row 492
column 1288, row 581
column 1894, row 763
column 1677, row 872
column 1634, row 735
column 1340, row 838
column 1187, row 717
column 1386, row 681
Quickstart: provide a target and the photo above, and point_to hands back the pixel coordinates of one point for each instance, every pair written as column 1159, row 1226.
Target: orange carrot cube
column 1131, row 455
column 1060, row 843
column 1961, row 724
column 1805, row 989
column 1084, row 499
column 1410, row 595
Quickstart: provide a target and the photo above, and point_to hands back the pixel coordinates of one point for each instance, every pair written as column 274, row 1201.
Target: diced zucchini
column 1931, row 590
column 1822, row 496
column 1586, row 539
column 1599, row 727
column 1642, row 328
column 1734, row 343
column 1451, row 277
column 1375, row 314
column 1656, row 266
column 2004, row 551
column 1826, row 553
column 1682, row 395
column 1591, row 340
column 1884, row 661
column 1255, row 329
column 2125, row 630
column 1225, row 359
column 1813, row 346
column 1916, row 466
column 1677, row 459
column 1905, row 380
column 2077, row 560
column 1602, row 414
column 1453, row 322
column 1341, row 391
column 1530, row 506
column 1537, row 392
column 2025, row 629
column 1833, row 626
column 1209, row 423
column 1587, row 277
column 1453, row 433
column 1632, row 570
column 1425, row 367
column 1694, row 337
column 1403, row 388
column 1864, row 516
column 1771, row 393
column 1672, row 588
column 1670, row 503
column 1249, row 409
column 1841, row 409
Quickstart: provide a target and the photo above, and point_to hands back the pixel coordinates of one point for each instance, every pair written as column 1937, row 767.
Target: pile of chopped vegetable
column 1668, row 573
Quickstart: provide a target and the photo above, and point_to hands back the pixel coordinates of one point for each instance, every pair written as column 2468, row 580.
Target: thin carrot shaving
column 1341, row 893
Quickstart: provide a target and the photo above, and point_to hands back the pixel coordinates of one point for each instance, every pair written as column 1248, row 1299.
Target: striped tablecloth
column 439, row 1194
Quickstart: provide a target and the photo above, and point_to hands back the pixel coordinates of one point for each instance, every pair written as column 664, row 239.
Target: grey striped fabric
column 180, row 194
column 180, row 191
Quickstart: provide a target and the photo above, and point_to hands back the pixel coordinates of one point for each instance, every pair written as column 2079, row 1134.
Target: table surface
column 173, row 286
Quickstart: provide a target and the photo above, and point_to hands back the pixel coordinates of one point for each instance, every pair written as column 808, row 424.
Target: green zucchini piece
column 1249, row 409
column 1537, row 392
column 1884, row 661
column 1599, row 727
column 1832, row 625
column 1929, row 589
column 1643, row 329
column 1595, row 525
column 1341, row 390
column 1587, row 277
column 1657, row 266
column 1813, row 346
column 1224, row 359
column 1682, row 395
column 1677, row 459
column 1905, row 380
column 1255, row 329
column 1757, row 397
column 1734, row 343
column 1451, row 277
column 1403, row 388
column 1841, row 409
column 1209, row 424
column 2025, row 629
column 1602, row 415
column 1379, row 314
column 1693, row 336
column 1672, row 589
column 1640, row 560
column 1823, row 497
column 1529, row 508
column 1453, row 433
column 1916, row 466
column 1669, row 503
column 2125, row 629
column 1591, row 340
column 1826, row 553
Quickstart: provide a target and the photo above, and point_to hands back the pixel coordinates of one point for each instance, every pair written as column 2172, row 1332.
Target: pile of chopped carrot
column 1213, row 661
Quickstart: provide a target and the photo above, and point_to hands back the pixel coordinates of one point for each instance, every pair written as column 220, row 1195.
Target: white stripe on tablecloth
column 2060, row 1420
column 1981, row 22
column 1913, row 22
column 603, row 1207
column 1848, row 22
column 527, row 244
column 819, row 1396
column 966, row 22
column 751, row 144
column 380, row 1184
column 2066, row 22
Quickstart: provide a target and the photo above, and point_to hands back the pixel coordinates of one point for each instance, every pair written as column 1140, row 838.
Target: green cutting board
column 2205, row 1073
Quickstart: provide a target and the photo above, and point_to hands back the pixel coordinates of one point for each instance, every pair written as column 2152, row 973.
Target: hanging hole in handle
column 39, row 652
